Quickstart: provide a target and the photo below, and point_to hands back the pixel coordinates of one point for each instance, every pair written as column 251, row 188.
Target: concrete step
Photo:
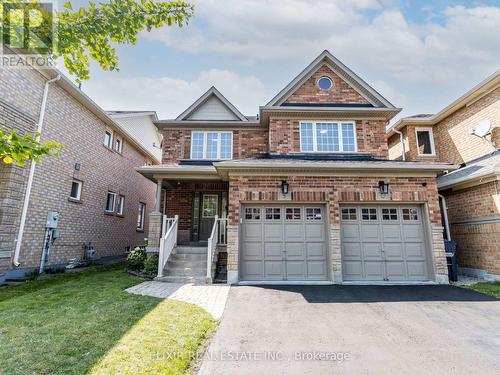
column 182, row 263
column 182, row 279
column 188, row 257
column 190, row 250
column 185, row 271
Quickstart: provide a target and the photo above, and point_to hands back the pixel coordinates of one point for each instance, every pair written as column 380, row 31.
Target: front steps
column 187, row 265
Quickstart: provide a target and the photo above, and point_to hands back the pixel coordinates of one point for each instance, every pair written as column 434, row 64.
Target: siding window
column 108, row 138
column 120, row 208
column 110, row 201
column 140, row 216
column 118, row 144
column 327, row 136
column 425, row 141
column 76, row 190
column 212, row 145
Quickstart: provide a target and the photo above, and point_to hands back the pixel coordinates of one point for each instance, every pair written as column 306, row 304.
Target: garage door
column 383, row 243
column 283, row 242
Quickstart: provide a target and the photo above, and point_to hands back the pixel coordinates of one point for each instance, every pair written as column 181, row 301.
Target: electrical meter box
column 52, row 220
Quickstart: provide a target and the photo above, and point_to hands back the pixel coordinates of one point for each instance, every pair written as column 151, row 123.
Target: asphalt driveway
column 356, row 330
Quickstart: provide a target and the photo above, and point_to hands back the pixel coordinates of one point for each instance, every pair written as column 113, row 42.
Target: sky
column 420, row 55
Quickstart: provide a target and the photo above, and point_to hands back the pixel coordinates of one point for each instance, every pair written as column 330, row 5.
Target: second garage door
column 283, row 242
column 383, row 243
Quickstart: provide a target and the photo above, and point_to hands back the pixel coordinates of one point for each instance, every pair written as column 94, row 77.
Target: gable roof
column 360, row 86
column 210, row 94
column 477, row 92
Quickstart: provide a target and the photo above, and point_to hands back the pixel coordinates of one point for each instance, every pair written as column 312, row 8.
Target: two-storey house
column 303, row 193
column 466, row 132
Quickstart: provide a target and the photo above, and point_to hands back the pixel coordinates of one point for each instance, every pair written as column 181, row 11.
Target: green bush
column 32, row 275
column 151, row 266
column 136, row 259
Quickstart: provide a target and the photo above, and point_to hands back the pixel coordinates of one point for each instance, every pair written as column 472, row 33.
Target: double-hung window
column 140, row 216
column 110, row 201
column 212, row 145
column 425, row 142
column 328, row 136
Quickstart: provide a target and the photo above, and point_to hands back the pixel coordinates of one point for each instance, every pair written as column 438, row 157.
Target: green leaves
column 15, row 149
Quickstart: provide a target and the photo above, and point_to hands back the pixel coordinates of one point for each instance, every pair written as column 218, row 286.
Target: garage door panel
column 372, row 251
column 295, row 270
column 315, row 250
column 370, row 233
column 315, row 232
column 351, row 251
column 352, row 270
column 252, row 270
column 413, row 232
column 273, row 270
column 273, row 251
column 294, row 232
column 393, row 251
column 252, row 232
column 273, row 232
column 252, row 250
column 316, row 270
column 295, row 251
column 417, row 270
column 374, row 271
column 350, row 232
column 391, row 232
column 395, row 270
column 415, row 250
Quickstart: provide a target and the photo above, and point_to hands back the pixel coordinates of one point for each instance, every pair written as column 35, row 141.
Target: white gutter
column 445, row 216
column 401, row 140
column 24, row 213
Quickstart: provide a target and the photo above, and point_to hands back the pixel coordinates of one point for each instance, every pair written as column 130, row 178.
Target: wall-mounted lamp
column 284, row 187
column 383, row 187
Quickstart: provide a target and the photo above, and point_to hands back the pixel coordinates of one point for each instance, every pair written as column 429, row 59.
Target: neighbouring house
column 466, row 132
column 303, row 193
column 97, row 199
column 140, row 125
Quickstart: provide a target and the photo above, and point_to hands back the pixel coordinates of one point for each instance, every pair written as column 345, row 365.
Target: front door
column 209, row 207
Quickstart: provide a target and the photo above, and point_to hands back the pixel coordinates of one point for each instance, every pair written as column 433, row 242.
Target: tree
column 81, row 36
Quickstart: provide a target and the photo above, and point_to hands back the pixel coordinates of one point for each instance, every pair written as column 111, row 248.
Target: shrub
column 136, row 258
column 151, row 266
column 32, row 275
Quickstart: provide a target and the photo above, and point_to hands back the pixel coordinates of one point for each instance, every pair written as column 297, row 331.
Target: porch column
column 158, row 195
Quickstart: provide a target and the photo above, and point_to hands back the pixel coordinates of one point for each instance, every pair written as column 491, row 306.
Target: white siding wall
column 143, row 129
column 213, row 109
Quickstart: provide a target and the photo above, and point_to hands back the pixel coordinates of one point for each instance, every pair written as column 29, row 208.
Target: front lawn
column 491, row 289
column 85, row 323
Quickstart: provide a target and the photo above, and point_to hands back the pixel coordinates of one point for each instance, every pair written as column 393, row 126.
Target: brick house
column 303, row 193
column 92, row 185
column 466, row 132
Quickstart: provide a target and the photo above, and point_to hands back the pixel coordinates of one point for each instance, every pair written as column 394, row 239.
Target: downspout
column 401, row 140
column 445, row 216
column 24, row 213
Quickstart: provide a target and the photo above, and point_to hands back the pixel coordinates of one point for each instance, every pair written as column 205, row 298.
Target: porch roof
column 179, row 172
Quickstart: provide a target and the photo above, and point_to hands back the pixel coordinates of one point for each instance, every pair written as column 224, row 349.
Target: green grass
column 491, row 289
column 85, row 323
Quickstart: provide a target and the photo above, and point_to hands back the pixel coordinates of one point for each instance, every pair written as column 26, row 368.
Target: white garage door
column 383, row 243
column 283, row 242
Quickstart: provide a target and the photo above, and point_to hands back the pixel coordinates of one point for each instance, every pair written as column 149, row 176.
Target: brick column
column 232, row 254
column 439, row 255
column 154, row 234
column 335, row 253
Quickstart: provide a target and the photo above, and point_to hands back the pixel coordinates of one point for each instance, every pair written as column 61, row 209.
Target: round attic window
column 325, row 83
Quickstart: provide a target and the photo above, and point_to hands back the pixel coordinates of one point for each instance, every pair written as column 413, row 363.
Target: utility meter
column 52, row 220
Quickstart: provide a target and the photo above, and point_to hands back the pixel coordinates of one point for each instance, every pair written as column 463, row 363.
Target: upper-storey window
column 212, row 145
column 425, row 141
column 327, row 136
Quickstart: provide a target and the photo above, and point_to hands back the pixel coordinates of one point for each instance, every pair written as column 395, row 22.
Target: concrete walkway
column 209, row 297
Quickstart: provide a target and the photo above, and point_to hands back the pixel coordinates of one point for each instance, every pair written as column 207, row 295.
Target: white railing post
column 164, row 227
column 212, row 245
column 176, row 221
column 168, row 241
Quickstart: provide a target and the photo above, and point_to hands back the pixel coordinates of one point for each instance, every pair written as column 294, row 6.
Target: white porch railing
column 168, row 241
column 222, row 231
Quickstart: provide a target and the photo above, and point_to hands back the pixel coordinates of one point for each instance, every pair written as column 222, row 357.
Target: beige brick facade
column 101, row 169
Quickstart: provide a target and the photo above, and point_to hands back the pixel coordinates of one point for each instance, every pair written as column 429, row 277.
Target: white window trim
column 339, row 128
column 120, row 207
column 205, row 139
column 80, row 184
column 114, row 201
column 111, row 138
column 142, row 213
column 118, row 138
column 431, row 136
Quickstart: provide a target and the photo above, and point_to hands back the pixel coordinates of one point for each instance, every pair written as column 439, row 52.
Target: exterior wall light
column 383, row 187
column 284, row 187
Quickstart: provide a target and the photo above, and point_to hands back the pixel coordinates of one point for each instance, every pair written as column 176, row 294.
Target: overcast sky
column 420, row 55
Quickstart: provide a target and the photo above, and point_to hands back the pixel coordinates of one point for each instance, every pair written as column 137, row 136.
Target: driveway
column 356, row 330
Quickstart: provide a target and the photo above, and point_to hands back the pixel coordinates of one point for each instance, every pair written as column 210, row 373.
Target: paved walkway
column 209, row 297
